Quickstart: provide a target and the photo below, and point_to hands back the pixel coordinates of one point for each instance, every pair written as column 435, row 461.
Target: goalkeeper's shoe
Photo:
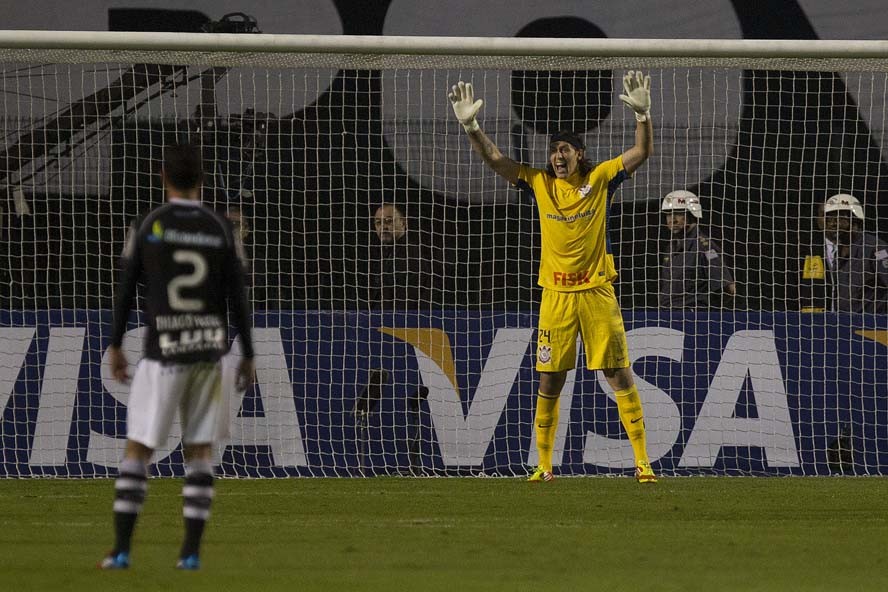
column 115, row 561
column 539, row 475
column 190, row 563
column 644, row 473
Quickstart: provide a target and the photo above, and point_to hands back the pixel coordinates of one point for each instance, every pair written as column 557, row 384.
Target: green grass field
column 455, row 534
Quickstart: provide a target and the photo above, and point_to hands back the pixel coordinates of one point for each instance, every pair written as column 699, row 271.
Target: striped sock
column 197, row 494
column 130, row 488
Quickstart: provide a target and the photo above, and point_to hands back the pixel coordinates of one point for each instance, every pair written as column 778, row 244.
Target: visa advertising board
column 453, row 393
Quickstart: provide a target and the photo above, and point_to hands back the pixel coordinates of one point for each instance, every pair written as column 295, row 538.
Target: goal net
column 401, row 339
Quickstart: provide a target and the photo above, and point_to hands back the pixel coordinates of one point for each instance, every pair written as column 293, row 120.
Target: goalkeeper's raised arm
column 465, row 107
column 637, row 89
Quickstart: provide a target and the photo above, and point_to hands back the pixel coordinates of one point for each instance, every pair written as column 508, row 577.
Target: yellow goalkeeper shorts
column 593, row 313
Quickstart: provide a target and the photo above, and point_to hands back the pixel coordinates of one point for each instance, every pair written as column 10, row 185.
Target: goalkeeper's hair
column 183, row 166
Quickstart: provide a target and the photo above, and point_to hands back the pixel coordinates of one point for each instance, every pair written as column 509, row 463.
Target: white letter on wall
column 57, row 395
column 16, row 343
column 279, row 427
column 753, row 354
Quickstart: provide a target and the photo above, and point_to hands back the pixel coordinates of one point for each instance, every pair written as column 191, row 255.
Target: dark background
column 319, row 173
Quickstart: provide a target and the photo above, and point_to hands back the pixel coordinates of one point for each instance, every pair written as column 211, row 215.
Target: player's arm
column 721, row 279
column 638, row 98
column 728, row 285
column 881, row 257
column 240, row 314
column 729, row 298
column 130, row 272
column 462, row 99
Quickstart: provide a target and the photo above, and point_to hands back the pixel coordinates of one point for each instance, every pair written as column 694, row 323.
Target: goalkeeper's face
column 564, row 159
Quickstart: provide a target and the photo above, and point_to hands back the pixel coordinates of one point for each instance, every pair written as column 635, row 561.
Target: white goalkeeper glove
column 462, row 99
column 638, row 94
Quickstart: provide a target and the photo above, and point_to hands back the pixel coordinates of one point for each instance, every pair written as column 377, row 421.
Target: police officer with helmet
column 856, row 273
column 693, row 273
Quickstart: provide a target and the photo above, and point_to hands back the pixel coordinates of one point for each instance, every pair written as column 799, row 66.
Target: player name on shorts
column 192, row 341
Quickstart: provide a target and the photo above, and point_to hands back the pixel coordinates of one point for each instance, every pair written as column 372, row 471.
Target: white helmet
column 843, row 202
column 680, row 201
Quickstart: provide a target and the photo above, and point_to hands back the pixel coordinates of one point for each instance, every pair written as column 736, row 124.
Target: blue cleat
column 191, row 563
column 115, row 561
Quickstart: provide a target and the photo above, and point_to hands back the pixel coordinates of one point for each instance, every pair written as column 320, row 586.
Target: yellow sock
column 632, row 417
column 546, row 423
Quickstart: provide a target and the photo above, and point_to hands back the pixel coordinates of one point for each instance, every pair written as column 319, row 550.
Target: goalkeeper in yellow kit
column 576, row 265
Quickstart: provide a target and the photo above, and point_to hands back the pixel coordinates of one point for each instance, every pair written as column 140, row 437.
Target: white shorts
column 158, row 390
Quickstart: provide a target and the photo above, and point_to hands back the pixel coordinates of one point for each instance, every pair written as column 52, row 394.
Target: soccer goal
column 401, row 339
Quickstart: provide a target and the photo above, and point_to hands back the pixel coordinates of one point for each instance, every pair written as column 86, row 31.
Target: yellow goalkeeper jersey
column 576, row 253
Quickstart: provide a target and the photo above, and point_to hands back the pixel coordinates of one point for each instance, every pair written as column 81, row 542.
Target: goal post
column 413, row 353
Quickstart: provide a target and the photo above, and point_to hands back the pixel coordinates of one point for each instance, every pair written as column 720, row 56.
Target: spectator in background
column 813, row 288
column 829, row 247
column 238, row 222
column 857, row 278
column 263, row 293
column 7, row 285
column 232, row 360
column 399, row 276
column 693, row 272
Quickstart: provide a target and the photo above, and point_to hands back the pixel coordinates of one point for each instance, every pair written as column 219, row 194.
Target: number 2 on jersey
column 187, row 280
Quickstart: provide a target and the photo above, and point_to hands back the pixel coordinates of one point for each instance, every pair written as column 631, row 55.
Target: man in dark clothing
column 858, row 274
column 263, row 287
column 187, row 257
column 813, row 288
column 693, row 272
column 400, row 277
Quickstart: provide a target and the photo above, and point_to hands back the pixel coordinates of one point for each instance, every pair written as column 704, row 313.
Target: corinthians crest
column 544, row 354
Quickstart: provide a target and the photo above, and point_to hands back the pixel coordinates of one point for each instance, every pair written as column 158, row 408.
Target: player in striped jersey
column 576, row 265
column 188, row 258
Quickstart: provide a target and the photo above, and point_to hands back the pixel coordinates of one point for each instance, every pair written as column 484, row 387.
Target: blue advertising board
column 453, row 393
